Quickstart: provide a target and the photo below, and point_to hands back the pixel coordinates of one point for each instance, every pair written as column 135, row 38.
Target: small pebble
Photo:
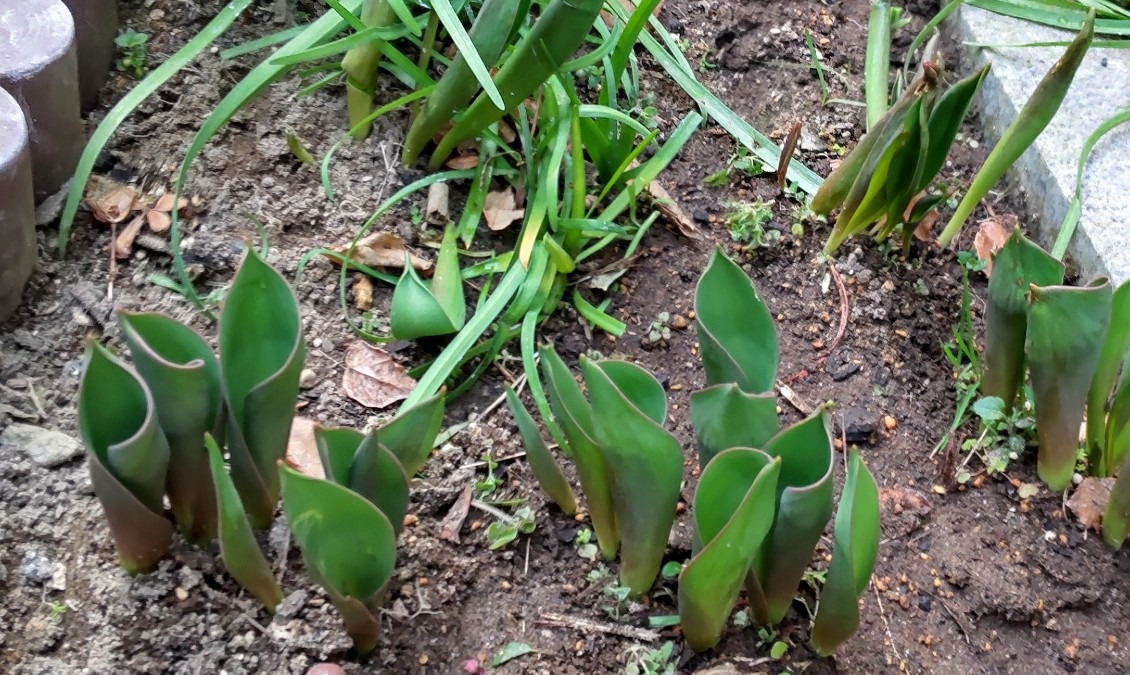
column 410, row 519
column 307, row 379
column 423, row 659
column 325, row 669
column 678, row 322
column 181, row 594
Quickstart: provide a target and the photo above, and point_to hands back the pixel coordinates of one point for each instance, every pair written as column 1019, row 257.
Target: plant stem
column 360, row 65
column 877, row 65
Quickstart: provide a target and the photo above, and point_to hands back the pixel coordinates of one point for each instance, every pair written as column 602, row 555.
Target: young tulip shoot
column 184, row 378
column 238, row 548
column 1066, row 330
column 261, row 355
column 128, row 458
column 1104, row 453
column 1116, row 517
column 733, row 512
column 853, row 559
column 424, row 309
column 541, row 460
column 364, row 465
column 1017, row 266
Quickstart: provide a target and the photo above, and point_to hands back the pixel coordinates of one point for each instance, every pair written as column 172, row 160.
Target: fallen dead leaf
column 1088, row 502
column 123, row 243
column 363, row 293
column 112, row 202
column 900, row 499
column 506, row 132
column 453, row 521
column 991, row 236
column 159, row 221
column 382, row 249
column 165, row 203
column 463, row 162
column 436, row 211
column 301, row 449
column 500, row 209
column 671, row 211
column 926, row 226
column 373, row 378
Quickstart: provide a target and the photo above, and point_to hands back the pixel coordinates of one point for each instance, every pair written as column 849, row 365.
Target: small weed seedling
column 131, row 45
column 746, row 222
column 643, row 660
column 1004, row 437
column 741, row 162
column 585, row 548
column 659, row 329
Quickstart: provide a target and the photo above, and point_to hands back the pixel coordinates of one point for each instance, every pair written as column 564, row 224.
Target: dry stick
column 886, row 624
column 845, row 308
column 587, row 626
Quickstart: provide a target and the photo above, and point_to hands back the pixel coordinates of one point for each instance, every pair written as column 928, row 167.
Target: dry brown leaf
column 113, row 202
column 991, row 236
column 925, row 228
column 463, row 162
column 671, row 211
column 373, row 378
column 159, row 221
column 301, row 449
column 436, row 210
column 899, row 499
column 1088, row 502
column 165, row 203
column 123, row 243
column 506, row 132
column 363, row 293
column 453, row 521
column 500, row 208
column 383, row 249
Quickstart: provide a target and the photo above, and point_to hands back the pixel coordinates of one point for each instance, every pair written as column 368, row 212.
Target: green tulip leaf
column 1067, row 327
column 542, row 462
column 184, row 378
column 424, row 309
column 1116, row 517
column 733, row 511
column 646, row 465
column 735, row 330
column 128, row 457
column 1018, row 264
column 379, row 477
column 238, row 548
column 337, row 447
column 853, row 559
column 724, row 417
column 411, row 435
column 945, row 121
column 574, row 414
column 261, row 357
column 804, row 507
column 638, row 386
column 1102, row 458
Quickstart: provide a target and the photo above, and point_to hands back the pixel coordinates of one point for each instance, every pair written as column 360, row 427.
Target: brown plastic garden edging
column 46, row 79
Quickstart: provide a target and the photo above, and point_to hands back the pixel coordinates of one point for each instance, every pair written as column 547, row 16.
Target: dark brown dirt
column 973, row 580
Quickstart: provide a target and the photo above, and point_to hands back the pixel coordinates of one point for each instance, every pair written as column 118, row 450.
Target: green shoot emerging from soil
column 131, row 47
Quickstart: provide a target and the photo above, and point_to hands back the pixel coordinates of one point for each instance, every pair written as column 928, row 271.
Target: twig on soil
column 255, row 624
column 526, row 570
column 794, row 399
column 497, row 460
column 453, row 521
column 587, row 626
column 886, row 624
column 845, row 308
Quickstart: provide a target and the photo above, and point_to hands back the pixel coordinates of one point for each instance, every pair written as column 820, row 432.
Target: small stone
column 36, row 567
column 181, row 594
column 679, row 322
column 291, row 605
column 889, row 423
column 307, row 379
column 701, row 216
column 327, row 346
column 845, row 370
column 858, row 425
column 410, row 519
column 58, row 581
column 506, row 585
column 44, row 447
column 423, row 660
column 41, row 633
column 325, row 669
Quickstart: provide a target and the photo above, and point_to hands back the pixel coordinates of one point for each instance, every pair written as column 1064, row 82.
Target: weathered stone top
column 33, row 34
column 13, row 129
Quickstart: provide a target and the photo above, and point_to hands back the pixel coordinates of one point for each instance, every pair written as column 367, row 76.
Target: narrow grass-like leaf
column 1018, row 265
column 877, row 61
column 184, row 378
column 733, row 512
column 541, row 461
column 127, row 456
column 1036, row 114
column 853, row 559
column 1063, row 15
column 1067, row 327
column 261, row 355
column 646, row 464
column 238, row 549
column 469, row 51
column 602, row 320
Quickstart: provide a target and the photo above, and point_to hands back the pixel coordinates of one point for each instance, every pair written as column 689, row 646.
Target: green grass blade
column 1057, row 15
column 467, row 50
column 877, row 61
column 261, row 43
column 129, row 102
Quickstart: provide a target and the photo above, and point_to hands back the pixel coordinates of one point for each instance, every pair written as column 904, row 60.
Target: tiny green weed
column 133, row 56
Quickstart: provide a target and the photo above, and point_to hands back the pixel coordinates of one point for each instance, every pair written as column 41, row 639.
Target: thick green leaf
column 735, row 330
column 1019, row 264
column 1030, row 122
column 733, row 511
column 1116, row 518
column 574, row 414
column 804, row 507
column 455, row 89
column 424, row 309
column 337, row 447
column 411, row 435
column 945, row 121
column 853, row 559
column 542, row 462
column 908, row 164
column 638, row 386
column 646, row 465
column 261, row 356
column 558, row 32
column 379, row 477
column 128, row 457
column 184, row 378
column 345, row 539
column 1067, row 327
column 724, row 417
column 1114, row 351
column 238, row 548
column 1118, row 420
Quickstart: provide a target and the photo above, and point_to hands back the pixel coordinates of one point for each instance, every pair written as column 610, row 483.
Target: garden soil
column 970, row 579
